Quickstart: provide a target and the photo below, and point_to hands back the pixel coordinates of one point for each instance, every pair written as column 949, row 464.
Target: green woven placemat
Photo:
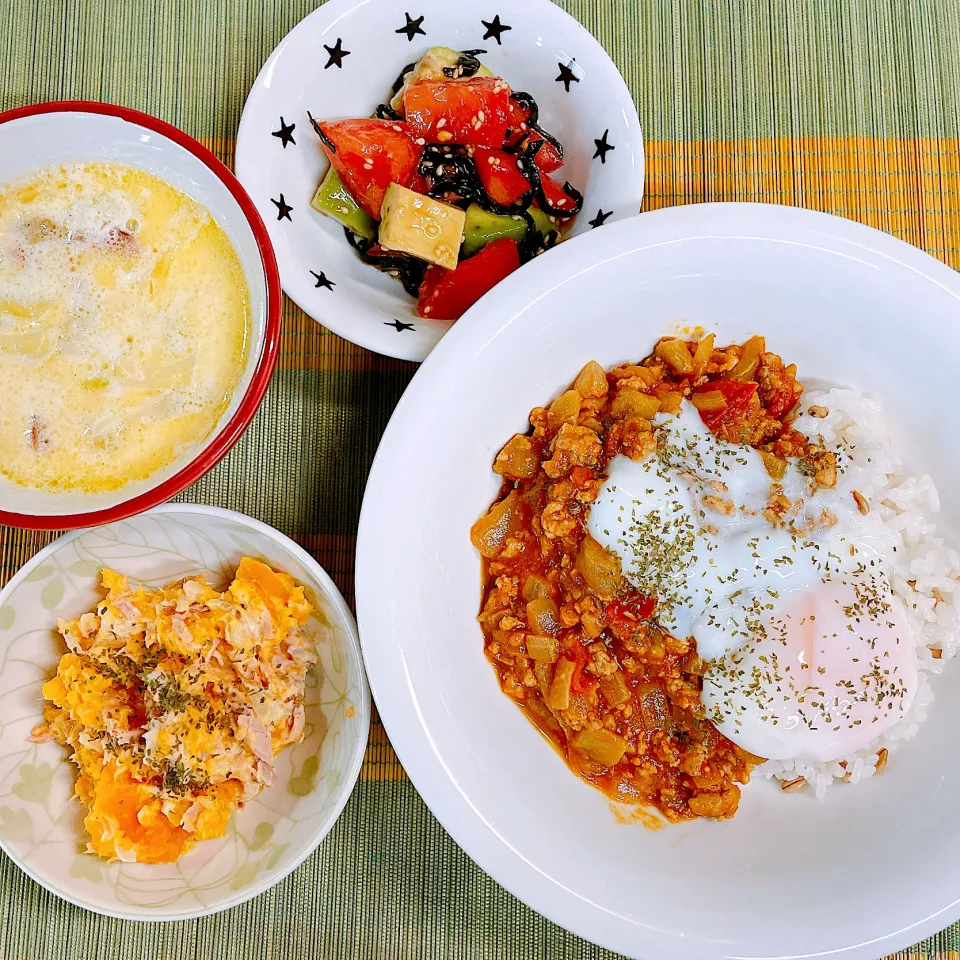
column 850, row 106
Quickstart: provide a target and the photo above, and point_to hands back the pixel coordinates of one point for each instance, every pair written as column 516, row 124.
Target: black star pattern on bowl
column 412, row 27
column 285, row 133
column 567, row 76
column 600, row 219
column 569, row 73
column 283, row 208
column 494, row 29
column 337, row 53
column 603, row 147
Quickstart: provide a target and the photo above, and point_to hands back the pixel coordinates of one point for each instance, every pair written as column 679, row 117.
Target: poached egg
column 808, row 650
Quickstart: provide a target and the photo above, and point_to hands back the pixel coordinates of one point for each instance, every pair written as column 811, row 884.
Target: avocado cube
column 436, row 59
column 481, row 227
column 333, row 199
column 421, row 226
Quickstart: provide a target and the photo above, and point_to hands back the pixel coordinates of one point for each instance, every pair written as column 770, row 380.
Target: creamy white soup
column 124, row 326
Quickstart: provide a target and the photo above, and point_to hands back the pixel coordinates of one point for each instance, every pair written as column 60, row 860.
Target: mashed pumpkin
column 176, row 703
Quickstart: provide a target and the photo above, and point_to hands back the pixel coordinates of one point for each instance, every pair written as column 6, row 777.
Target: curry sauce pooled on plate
column 176, row 703
column 680, row 584
column 124, row 321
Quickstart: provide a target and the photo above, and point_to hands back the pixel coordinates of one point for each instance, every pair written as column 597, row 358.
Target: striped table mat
column 848, row 106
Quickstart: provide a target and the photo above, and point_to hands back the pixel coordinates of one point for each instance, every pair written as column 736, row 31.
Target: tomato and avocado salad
column 450, row 186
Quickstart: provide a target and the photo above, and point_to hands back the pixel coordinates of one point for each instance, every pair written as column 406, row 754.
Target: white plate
column 41, row 824
column 870, row 869
column 307, row 72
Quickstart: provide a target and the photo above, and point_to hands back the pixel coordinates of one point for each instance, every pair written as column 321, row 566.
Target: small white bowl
column 41, row 823
column 340, row 62
column 870, row 869
column 74, row 132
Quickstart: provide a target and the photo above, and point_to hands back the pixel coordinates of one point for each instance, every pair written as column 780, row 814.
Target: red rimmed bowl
column 35, row 137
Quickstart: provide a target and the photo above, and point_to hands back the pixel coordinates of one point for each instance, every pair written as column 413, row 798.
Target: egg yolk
column 825, row 677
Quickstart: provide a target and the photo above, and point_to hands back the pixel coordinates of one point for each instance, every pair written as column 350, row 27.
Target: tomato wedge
column 517, row 117
column 473, row 111
column 547, row 158
column 500, row 176
column 557, row 197
column 448, row 294
column 738, row 396
column 369, row 155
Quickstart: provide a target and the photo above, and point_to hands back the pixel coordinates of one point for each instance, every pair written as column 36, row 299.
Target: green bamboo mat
column 850, row 106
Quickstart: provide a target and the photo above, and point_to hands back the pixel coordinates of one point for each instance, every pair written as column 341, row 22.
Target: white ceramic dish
column 341, row 60
column 39, row 136
column 41, row 824
column 870, row 869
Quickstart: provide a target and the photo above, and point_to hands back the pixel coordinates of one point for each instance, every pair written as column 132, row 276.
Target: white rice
column 856, row 430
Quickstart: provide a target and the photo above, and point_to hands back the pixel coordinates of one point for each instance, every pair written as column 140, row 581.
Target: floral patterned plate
column 41, row 824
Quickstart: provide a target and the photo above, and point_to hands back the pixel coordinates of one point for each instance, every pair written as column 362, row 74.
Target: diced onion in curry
column 543, row 648
column 675, row 354
column 543, row 616
column 709, row 400
column 701, row 356
column 599, row 567
column 591, row 381
column 490, row 532
column 633, row 403
column 601, row 746
column 749, row 359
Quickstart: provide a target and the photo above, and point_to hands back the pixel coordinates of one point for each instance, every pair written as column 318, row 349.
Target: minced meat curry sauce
column 573, row 643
